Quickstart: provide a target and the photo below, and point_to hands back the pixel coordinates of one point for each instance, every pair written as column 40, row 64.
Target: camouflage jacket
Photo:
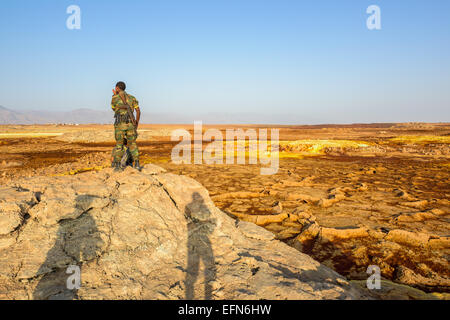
column 117, row 102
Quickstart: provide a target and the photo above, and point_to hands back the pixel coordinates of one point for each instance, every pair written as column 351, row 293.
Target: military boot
column 136, row 165
column 117, row 166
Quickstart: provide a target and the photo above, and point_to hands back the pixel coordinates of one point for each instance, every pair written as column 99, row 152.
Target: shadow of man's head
column 78, row 241
column 197, row 210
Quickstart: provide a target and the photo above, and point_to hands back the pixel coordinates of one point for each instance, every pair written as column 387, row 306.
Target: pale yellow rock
column 305, row 197
column 262, row 220
column 416, row 216
column 287, row 233
column 237, row 195
column 331, row 234
column 408, row 238
column 415, row 204
column 328, row 202
column 440, row 243
column 440, row 212
column 409, row 277
column 376, row 234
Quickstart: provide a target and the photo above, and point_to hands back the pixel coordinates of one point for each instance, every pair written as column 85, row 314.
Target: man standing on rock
column 125, row 125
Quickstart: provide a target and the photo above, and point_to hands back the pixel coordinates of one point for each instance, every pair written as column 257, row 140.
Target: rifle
column 129, row 111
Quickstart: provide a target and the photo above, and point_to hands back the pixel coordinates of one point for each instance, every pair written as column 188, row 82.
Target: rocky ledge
column 144, row 235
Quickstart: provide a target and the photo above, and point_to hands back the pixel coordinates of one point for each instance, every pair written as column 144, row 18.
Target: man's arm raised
column 138, row 116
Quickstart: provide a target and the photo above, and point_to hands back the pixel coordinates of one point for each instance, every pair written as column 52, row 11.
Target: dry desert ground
column 350, row 196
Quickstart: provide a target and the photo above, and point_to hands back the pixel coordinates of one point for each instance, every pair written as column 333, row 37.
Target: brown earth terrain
column 349, row 196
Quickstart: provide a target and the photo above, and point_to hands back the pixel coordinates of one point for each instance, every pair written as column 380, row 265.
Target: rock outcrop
column 144, row 235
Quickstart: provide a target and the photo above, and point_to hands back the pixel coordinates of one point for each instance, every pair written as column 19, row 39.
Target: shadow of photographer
column 199, row 225
column 78, row 240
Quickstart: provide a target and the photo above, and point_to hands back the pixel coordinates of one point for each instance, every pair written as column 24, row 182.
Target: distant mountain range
column 86, row 116
column 82, row 116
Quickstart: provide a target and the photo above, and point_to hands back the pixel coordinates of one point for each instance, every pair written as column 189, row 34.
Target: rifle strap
column 124, row 99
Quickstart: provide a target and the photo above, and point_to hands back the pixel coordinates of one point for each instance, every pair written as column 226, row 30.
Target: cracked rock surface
column 145, row 235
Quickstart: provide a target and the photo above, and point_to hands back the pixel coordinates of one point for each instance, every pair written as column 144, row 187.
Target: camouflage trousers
column 124, row 131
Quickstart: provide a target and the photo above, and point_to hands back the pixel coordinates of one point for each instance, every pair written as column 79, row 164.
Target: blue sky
column 313, row 61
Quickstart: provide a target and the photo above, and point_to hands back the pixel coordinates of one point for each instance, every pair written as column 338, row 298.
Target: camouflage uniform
column 124, row 130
